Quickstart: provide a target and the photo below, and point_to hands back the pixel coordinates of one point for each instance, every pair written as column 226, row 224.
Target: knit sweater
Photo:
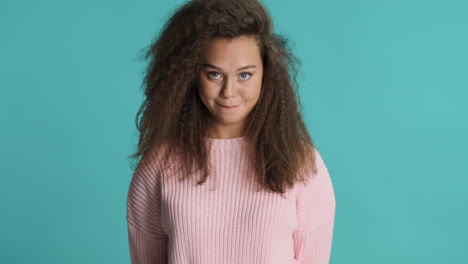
column 227, row 220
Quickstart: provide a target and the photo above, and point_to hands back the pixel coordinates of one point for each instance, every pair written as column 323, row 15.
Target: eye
column 210, row 74
column 246, row 73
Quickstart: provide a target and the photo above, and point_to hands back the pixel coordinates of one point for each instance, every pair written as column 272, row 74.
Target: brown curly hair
column 172, row 113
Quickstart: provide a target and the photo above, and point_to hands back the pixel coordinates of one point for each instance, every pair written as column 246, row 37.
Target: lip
column 228, row 107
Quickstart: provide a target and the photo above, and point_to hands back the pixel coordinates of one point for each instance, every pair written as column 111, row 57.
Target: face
column 229, row 83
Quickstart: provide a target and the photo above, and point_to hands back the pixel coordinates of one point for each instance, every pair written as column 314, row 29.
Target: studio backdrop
column 383, row 88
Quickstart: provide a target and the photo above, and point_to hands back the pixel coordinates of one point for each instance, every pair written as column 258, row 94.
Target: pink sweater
column 178, row 222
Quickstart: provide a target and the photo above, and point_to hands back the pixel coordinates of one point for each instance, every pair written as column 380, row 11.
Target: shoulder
column 320, row 181
column 149, row 169
column 316, row 173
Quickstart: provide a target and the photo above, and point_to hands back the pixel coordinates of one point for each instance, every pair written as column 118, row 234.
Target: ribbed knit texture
column 226, row 220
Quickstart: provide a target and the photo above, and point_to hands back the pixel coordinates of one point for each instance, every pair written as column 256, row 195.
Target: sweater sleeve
column 147, row 240
column 315, row 208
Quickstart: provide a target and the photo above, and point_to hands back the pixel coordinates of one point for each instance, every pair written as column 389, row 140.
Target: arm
column 147, row 240
column 315, row 204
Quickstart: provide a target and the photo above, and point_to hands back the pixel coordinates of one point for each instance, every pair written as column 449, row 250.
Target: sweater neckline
column 226, row 142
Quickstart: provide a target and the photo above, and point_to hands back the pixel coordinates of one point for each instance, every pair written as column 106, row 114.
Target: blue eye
column 249, row 74
column 211, row 73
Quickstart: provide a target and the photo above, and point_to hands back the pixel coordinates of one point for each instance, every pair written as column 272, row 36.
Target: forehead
column 243, row 49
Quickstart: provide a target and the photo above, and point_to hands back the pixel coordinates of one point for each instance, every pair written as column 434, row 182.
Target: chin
column 228, row 121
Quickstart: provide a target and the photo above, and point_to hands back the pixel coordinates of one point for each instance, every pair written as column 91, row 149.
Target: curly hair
column 172, row 114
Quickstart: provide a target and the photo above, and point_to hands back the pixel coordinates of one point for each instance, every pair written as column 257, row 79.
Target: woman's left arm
column 315, row 204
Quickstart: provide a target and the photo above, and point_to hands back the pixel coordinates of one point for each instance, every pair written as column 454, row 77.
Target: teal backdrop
column 383, row 88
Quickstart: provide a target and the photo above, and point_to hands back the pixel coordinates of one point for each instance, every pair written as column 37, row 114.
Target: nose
column 229, row 88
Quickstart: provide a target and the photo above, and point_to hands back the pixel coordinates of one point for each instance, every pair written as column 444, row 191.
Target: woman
column 228, row 172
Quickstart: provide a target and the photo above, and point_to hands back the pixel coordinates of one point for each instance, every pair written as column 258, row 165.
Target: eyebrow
column 241, row 68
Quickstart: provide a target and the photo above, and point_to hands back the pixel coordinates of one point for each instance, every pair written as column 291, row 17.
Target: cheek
column 203, row 88
column 254, row 90
column 207, row 92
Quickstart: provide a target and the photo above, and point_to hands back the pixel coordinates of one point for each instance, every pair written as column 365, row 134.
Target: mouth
column 228, row 106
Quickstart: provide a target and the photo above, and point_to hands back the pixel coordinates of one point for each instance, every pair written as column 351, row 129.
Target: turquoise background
column 383, row 87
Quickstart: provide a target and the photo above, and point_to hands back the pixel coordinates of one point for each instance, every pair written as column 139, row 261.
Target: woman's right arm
column 147, row 240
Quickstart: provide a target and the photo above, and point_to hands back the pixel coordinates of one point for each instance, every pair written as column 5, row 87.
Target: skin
column 221, row 82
